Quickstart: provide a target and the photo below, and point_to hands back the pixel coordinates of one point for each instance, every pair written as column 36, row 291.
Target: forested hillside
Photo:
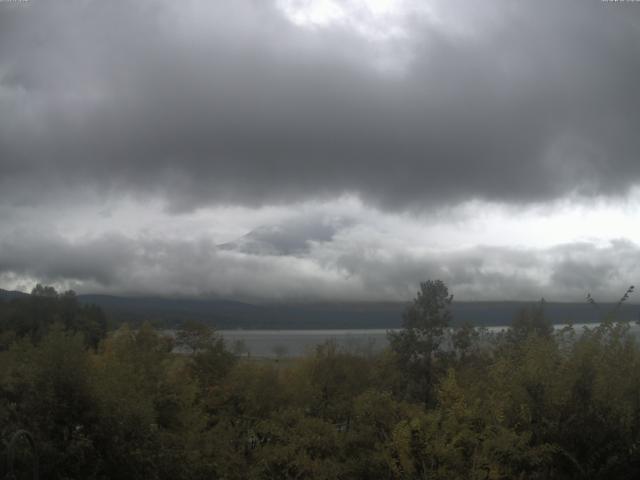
column 227, row 314
column 441, row 403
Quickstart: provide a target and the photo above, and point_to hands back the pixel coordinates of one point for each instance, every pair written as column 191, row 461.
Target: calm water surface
column 293, row 343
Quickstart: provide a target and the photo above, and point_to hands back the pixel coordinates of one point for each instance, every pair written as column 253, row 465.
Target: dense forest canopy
column 440, row 403
column 33, row 315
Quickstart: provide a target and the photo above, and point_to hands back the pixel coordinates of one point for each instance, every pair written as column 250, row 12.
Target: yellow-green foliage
column 534, row 405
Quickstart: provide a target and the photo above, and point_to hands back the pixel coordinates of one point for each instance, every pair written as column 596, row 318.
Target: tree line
column 440, row 403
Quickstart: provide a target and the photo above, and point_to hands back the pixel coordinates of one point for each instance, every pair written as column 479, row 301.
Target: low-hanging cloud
column 340, row 268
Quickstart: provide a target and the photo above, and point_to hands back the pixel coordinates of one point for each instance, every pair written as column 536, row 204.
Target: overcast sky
column 321, row 150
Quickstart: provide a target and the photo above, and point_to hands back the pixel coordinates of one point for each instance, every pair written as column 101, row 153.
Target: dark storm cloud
column 209, row 102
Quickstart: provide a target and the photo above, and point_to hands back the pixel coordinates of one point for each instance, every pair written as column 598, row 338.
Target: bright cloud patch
column 322, row 251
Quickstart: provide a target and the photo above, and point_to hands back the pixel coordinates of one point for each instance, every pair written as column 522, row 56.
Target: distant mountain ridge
column 10, row 294
column 230, row 314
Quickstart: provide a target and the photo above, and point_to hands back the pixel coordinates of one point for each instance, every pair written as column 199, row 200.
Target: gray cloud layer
column 192, row 103
column 341, row 267
column 209, row 102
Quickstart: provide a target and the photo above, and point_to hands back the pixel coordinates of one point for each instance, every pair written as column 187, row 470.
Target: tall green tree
column 417, row 345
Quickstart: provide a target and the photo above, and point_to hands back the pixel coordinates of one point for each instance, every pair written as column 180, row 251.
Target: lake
column 294, row 343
